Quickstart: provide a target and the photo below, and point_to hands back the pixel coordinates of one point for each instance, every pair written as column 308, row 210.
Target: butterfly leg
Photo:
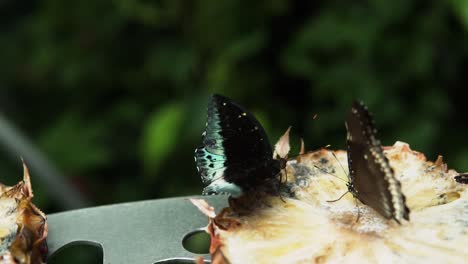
column 224, row 221
column 280, row 183
column 336, row 200
column 358, row 210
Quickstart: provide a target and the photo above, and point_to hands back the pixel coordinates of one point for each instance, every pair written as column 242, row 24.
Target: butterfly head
column 352, row 189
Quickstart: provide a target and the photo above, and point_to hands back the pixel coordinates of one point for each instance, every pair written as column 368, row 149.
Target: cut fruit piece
column 305, row 228
column 23, row 227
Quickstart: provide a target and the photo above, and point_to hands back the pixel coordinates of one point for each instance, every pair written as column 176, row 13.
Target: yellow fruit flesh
column 308, row 229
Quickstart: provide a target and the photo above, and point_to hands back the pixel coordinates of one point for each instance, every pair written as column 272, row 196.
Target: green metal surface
column 138, row 232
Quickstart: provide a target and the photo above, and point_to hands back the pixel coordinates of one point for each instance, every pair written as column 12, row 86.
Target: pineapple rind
column 23, row 227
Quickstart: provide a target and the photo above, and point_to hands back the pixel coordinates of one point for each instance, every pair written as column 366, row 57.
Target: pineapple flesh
column 303, row 226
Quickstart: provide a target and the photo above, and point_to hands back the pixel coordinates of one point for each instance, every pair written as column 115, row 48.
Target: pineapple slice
column 303, row 227
column 23, row 227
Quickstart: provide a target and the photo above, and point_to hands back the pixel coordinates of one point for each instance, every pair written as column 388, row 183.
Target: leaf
column 75, row 143
column 160, row 135
column 171, row 61
column 461, row 9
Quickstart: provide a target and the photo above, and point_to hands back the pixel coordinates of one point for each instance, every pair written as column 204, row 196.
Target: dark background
column 113, row 93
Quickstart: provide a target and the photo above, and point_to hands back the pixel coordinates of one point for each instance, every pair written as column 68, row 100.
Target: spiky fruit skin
column 302, row 227
column 23, row 227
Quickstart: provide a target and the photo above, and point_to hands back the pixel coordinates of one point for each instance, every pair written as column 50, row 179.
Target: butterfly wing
column 462, row 178
column 371, row 177
column 236, row 153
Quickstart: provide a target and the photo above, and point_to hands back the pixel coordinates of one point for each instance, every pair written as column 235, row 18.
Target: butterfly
column 371, row 178
column 235, row 155
column 462, row 178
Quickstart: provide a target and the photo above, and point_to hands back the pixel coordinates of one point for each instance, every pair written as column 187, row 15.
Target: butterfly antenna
column 336, row 158
column 341, row 165
column 321, row 169
column 324, row 171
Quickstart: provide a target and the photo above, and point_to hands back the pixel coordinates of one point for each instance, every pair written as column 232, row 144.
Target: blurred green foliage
column 115, row 92
column 157, row 143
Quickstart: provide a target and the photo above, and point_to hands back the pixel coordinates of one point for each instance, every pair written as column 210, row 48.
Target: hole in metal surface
column 180, row 261
column 197, row 242
column 77, row 253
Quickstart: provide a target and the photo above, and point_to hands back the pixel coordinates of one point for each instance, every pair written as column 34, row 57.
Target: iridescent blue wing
column 236, row 154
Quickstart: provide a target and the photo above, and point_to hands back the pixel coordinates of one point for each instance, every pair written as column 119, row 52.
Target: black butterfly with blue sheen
column 371, row 178
column 235, row 156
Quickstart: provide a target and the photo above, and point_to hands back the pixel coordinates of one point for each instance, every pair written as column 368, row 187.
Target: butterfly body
column 236, row 155
column 371, row 178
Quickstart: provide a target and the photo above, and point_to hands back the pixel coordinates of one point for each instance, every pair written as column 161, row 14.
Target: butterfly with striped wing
column 371, row 178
